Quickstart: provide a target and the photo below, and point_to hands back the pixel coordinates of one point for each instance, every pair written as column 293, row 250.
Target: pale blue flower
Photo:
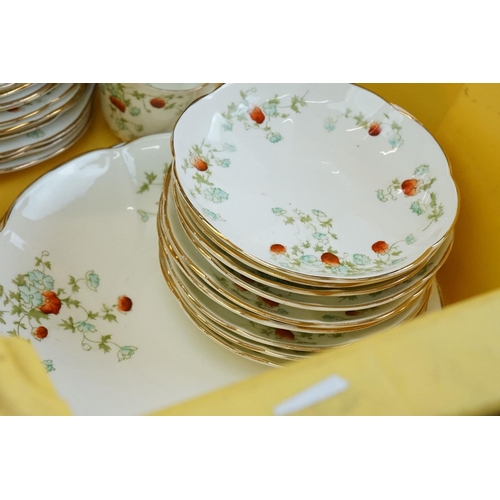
column 397, row 261
column 274, row 137
column 417, row 208
column 278, row 211
column 321, row 237
column 227, row 126
column 395, row 140
column 421, row 170
column 329, row 124
column 215, row 195
column 84, row 327
column 318, row 213
column 229, row 147
column 360, row 259
column 41, row 280
column 308, row 259
column 380, row 195
column 135, row 111
column 126, row 352
column 49, row 366
column 212, row 215
column 270, row 108
column 410, row 239
column 92, row 280
column 225, row 163
column 30, row 295
column 343, row 269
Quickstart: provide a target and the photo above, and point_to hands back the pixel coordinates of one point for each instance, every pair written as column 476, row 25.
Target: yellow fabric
column 446, row 363
column 25, row 387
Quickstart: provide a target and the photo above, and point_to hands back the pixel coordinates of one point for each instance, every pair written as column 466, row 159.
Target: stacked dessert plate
column 300, row 217
column 40, row 120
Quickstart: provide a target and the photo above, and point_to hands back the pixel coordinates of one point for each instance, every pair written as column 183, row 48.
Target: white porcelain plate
column 322, row 181
column 80, row 279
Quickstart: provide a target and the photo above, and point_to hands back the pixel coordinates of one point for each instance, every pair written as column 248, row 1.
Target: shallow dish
column 314, row 182
column 92, row 220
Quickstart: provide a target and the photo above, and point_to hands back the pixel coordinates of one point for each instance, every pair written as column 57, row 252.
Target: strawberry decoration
column 268, row 302
column 51, row 303
column 277, row 248
column 330, row 259
column 158, row 102
column 257, row 115
column 124, row 303
column 375, row 129
column 284, row 334
column 40, row 332
column 118, row 103
column 199, row 164
column 380, row 247
column 409, row 187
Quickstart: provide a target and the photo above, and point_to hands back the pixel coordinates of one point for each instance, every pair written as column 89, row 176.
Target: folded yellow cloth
column 25, row 387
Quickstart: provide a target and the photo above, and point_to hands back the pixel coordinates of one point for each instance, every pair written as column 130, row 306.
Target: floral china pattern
column 373, row 127
column 122, row 106
column 285, row 335
column 421, row 182
column 261, row 117
column 151, row 179
column 35, row 300
column 317, row 250
column 201, row 160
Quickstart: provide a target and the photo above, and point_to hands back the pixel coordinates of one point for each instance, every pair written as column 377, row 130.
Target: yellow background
column 444, row 363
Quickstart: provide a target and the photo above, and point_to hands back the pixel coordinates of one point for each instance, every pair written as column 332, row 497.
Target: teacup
column 134, row 110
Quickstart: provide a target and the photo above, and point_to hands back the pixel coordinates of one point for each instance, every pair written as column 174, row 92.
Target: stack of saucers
column 41, row 120
column 300, row 217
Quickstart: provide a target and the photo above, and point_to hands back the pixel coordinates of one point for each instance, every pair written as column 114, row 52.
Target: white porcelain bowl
column 315, row 181
column 134, row 110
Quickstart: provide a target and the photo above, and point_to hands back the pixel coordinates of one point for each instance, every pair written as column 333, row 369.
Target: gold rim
column 198, row 238
column 222, row 342
column 262, row 318
column 12, row 88
column 300, row 277
column 303, row 348
column 48, row 156
column 21, row 128
column 50, row 141
column 235, row 279
column 39, row 110
column 31, row 97
column 239, row 306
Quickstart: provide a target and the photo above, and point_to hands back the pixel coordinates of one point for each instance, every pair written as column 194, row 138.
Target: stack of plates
column 300, row 217
column 41, row 120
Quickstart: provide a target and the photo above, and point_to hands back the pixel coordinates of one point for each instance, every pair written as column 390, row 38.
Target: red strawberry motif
column 375, row 128
column 409, row 187
column 277, row 248
column 199, row 164
column 257, row 115
column 51, row 303
column 13, row 110
column 124, row 303
column 118, row 103
column 40, row 332
column 351, row 313
column 284, row 334
column 240, row 287
column 330, row 259
column 269, row 303
column 380, row 247
column 158, row 102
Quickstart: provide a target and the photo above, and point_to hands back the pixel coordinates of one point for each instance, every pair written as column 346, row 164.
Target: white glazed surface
column 95, row 217
column 288, row 173
column 134, row 110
